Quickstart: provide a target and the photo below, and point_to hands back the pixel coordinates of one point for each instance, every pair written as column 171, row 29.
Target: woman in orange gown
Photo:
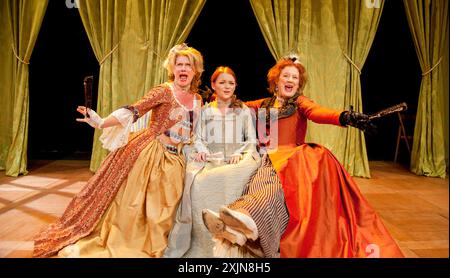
column 325, row 214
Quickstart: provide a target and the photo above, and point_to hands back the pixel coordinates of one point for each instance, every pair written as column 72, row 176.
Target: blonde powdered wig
column 194, row 56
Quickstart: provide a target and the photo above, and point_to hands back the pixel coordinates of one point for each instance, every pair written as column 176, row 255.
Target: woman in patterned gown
column 128, row 207
column 302, row 200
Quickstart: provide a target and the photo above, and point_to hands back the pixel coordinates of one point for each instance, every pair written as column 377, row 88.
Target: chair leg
column 405, row 136
column 398, row 144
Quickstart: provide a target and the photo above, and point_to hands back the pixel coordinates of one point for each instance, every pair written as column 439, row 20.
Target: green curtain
column 280, row 22
column 428, row 22
column 445, row 100
column 131, row 39
column 164, row 24
column 153, row 29
column 7, row 61
column 104, row 22
column 356, row 24
column 318, row 31
column 20, row 24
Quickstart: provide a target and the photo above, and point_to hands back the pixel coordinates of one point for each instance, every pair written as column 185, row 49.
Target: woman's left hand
column 235, row 159
column 90, row 117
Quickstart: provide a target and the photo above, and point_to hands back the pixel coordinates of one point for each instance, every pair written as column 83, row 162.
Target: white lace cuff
column 115, row 137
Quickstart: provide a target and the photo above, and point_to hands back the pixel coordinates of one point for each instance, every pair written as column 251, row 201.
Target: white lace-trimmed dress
column 214, row 183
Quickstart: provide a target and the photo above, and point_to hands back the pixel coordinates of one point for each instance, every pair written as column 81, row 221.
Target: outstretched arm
column 317, row 113
column 95, row 120
column 153, row 98
column 322, row 115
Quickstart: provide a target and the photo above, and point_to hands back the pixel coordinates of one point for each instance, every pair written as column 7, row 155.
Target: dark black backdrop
column 226, row 33
column 61, row 58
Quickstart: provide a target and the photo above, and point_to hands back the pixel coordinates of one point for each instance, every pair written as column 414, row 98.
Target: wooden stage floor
column 413, row 208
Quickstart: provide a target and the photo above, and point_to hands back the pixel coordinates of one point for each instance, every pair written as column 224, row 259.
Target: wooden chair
column 402, row 135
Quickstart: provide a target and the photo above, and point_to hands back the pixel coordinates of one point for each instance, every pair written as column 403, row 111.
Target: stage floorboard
column 413, row 208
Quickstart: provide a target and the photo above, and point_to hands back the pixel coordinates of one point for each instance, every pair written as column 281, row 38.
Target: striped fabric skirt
column 263, row 199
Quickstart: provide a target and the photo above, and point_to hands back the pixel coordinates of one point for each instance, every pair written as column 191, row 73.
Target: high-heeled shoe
column 239, row 222
column 218, row 229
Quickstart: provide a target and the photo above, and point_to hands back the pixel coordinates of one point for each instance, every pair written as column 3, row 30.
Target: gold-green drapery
column 7, row 61
column 281, row 23
column 163, row 25
column 428, row 22
column 104, row 22
column 445, row 101
column 356, row 25
column 138, row 34
column 309, row 28
column 20, row 24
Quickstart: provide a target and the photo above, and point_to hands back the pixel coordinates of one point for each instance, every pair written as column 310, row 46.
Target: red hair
column 219, row 71
column 274, row 73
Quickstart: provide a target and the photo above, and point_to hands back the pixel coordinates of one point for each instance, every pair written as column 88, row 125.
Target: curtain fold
column 132, row 38
column 280, row 23
column 7, row 61
column 445, row 99
column 356, row 25
column 164, row 24
column 21, row 22
column 428, row 22
column 104, row 22
column 318, row 32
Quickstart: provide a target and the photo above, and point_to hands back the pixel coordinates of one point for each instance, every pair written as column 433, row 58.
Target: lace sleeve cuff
column 116, row 137
column 133, row 110
column 201, row 148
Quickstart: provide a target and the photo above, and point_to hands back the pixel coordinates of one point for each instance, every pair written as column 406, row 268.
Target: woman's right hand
column 90, row 117
column 200, row 157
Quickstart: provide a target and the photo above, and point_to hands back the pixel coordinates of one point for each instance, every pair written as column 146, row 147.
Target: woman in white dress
column 221, row 161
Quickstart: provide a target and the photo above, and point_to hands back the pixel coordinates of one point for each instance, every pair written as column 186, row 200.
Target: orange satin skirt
column 329, row 216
